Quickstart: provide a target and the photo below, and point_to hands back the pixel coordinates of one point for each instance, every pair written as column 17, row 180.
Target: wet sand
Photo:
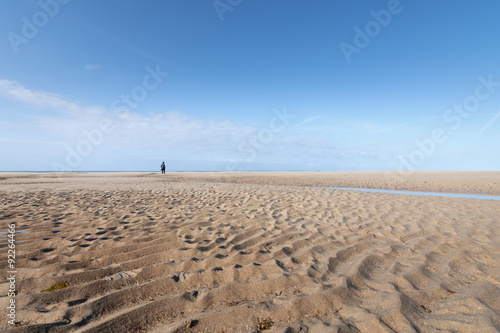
column 239, row 252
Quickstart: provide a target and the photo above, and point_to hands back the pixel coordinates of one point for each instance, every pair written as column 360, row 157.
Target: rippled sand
column 146, row 252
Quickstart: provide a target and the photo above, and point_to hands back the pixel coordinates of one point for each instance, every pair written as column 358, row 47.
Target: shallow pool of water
column 434, row 194
column 17, row 231
column 16, row 241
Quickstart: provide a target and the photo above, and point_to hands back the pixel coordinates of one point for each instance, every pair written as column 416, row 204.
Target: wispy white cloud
column 44, row 100
column 28, row 141
column 176, row 130
column 181, row 135
column 168, row 129
column 92, row 67
column 490, row 123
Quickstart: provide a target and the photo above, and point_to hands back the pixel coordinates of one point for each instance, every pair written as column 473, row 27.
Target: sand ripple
column 150, row 254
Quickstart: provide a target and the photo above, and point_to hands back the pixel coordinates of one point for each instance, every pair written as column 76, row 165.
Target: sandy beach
column 250, row 252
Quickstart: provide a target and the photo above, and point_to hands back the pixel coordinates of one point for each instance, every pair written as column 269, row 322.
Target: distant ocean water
column 80, row 171
column 434, row 194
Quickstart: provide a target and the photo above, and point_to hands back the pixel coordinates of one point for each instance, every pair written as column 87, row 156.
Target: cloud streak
column 490, row 123
column 44, row 100
column 175, row 134
column 92, row 67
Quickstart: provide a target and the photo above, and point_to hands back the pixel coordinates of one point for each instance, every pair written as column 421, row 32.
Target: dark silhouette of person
column 162, row 167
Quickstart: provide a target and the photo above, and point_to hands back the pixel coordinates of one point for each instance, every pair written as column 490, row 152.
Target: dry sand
column 146, row 252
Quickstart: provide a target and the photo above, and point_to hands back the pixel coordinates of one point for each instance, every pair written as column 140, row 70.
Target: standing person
column 162, row 167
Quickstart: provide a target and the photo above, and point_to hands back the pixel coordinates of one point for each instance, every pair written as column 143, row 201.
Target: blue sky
column 249, row 85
